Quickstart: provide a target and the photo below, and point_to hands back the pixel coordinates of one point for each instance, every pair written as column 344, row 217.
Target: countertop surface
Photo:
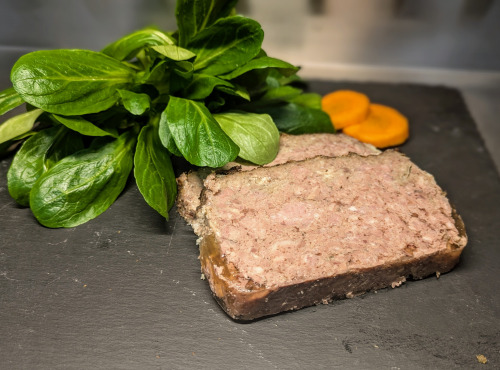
column 125, row 290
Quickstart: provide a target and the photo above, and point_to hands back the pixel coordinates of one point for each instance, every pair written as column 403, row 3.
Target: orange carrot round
column 345, row 107
column 384, row 127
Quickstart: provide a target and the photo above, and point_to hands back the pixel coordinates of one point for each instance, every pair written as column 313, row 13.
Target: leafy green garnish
column 36, row 156
column 18, row 125
column 226, row 45
column 255, row 134
column 83, row 185
column 81, row 125
column 206, row 92
column 296, row 119
column 135, row 103
column 129, row 46
column 197, row 135
column 70, row 82
column 9, row 99
column 195, row 15
column 153, row 171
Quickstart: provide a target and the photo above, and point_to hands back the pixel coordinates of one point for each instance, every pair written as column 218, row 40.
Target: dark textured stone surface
column 124, row 290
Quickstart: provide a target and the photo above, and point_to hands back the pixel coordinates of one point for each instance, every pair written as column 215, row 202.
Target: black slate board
column 124, row 290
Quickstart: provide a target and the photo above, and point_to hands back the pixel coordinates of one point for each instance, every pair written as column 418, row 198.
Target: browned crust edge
column 258, row 301
column 181, row 201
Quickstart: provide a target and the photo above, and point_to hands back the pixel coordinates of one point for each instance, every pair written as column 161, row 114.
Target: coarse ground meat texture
column 297, row 234
column 292, row 148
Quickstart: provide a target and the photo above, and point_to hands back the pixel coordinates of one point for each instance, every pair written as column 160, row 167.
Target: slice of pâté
column 297, row 234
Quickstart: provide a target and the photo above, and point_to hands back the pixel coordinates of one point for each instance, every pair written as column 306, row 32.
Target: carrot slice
column 345, row 107
column 384, row 127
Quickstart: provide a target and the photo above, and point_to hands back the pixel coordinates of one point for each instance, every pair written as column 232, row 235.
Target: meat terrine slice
column 302, row 233
column 292, row 148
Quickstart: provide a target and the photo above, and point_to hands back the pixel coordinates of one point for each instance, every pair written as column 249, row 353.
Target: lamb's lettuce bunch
column 206, row 92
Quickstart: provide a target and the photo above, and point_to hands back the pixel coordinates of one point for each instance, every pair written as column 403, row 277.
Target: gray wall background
column 456, row 34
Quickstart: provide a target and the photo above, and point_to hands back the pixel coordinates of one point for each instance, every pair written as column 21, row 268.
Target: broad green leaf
column 153, row 171
column 273, row 82
column 195, row 15
column 135, row 103
column 261, row 63
column 226, row 45
column 281, row 93
column 292, row 118
column 197, row 134
column 202, row 86
column 310, row 100
column 134, row 65
column 70, row 82
column 255, row 134
column 129, row 45
column 35, row 156
column 83, row 185
column 169, row 78
column 25, row 135
column 275, row 78
column 157, row 74
column 174, row 52
column 254, row 82
column 67, row 143
column 18, row 125
column 81, row 125
column 235, row 90
column 166, row 137
column 28, row 164
column 182, row 73
column 183, row 69
column 9, row 99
